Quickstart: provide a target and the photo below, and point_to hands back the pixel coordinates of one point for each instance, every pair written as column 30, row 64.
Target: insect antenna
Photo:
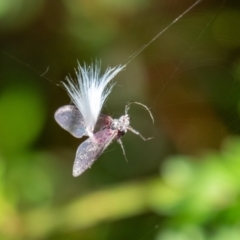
column 129, row 127
column 138, row 103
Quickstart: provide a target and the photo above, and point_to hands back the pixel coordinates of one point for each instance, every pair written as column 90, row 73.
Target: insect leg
column 138, row 133
column 123, row 150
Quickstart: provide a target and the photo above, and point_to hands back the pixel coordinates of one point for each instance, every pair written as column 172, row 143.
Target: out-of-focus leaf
column 186, row 233
column 22, row 116
column 226, row 30
column 28, row 183
column 17, row 14
column 227, row 232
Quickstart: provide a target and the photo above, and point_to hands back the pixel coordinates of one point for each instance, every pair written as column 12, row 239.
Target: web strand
column 136, row 53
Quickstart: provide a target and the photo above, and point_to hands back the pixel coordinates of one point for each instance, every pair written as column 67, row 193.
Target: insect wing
column 91, row 149
column 104, row 121
column 70, row 119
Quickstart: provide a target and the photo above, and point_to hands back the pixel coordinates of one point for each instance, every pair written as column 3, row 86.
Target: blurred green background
column 182, row 185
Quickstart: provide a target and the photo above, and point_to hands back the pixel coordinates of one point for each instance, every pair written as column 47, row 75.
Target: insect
column 70, row 118
column 88, row 94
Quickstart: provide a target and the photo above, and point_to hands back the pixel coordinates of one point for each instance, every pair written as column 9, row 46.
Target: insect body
column 70, row 118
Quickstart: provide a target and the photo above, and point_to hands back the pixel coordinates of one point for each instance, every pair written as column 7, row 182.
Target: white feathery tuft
column 90, row 91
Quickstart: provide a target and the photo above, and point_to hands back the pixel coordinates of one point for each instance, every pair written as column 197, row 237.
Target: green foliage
column 182, row 185
column 22, row 117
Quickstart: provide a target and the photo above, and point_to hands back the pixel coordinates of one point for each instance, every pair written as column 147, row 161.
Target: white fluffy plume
column 90, row 91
